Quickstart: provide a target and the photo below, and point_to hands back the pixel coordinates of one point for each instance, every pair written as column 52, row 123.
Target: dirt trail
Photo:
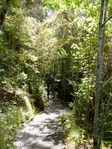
column 44, row 131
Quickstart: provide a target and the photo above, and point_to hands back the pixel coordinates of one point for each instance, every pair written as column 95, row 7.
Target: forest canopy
column 61, row 43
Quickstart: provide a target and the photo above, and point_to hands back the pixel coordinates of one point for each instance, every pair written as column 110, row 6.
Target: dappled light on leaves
column 48, row 50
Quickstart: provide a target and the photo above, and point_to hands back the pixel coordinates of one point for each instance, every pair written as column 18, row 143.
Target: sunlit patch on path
column 44, row 131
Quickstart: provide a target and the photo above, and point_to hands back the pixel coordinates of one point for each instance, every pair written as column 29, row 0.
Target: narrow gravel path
column 44, row 131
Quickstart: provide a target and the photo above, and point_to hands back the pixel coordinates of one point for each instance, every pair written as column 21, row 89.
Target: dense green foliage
column 8, row 115
column 58, row 40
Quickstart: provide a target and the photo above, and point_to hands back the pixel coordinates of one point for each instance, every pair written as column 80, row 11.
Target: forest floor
column 45, row 130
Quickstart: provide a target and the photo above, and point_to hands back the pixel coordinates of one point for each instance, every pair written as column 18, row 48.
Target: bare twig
column 106, row 21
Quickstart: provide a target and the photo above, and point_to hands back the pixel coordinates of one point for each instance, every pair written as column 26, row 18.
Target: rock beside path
column 44, row 131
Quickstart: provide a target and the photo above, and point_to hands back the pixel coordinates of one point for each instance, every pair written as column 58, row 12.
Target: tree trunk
column 99, row 72
column 67, row 74
column 4, row 11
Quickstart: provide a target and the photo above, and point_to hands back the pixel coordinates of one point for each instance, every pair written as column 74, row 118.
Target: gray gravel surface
column 44, row 131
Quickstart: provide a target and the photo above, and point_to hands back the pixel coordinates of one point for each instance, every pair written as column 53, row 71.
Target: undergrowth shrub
column 83, row 96
column 74, row 135
column 10, row 119
column 40, row 96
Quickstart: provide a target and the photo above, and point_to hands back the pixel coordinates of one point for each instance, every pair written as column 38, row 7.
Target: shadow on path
column 44, row 131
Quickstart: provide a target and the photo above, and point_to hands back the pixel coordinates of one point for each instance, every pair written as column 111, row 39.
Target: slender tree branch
column 106, row 21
